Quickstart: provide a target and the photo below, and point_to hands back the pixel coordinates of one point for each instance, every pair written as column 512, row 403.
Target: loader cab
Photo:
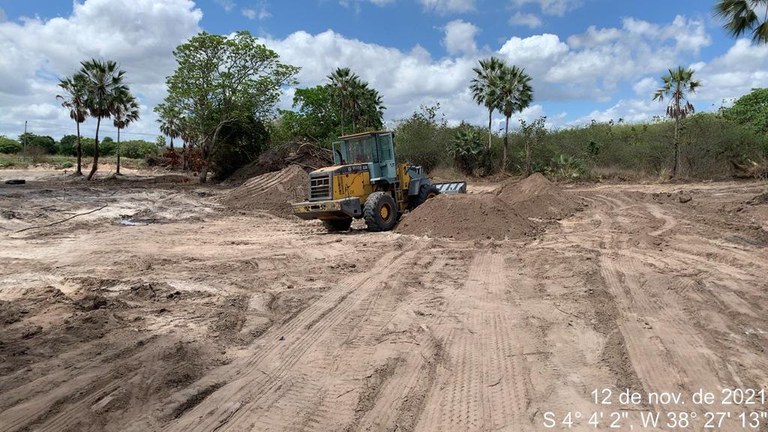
column 376, row 149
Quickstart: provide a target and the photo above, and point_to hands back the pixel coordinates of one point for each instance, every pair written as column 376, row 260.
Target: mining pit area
column 153, row 303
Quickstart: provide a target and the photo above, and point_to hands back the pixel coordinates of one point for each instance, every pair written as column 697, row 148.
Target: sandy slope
column 225, row 322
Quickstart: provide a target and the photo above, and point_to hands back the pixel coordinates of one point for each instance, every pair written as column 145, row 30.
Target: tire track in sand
column 265, row 377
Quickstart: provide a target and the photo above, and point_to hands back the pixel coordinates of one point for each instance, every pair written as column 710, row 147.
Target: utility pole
column 25, row 133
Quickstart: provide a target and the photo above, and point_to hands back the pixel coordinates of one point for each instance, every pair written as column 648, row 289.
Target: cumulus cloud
column 743, row 67
column 139, row 34
column 448, row 6
column 460, row 37
column 525, row 19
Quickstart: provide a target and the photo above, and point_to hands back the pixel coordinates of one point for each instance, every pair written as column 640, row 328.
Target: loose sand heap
column 466, row 217
column 273, row 192
column 517, row 210
column 537, row 198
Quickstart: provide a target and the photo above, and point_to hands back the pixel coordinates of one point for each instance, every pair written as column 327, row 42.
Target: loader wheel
column 380, row 212
column 425, row 192
column 336, row 225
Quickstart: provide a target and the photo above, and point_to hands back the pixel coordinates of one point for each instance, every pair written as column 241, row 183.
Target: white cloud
column 460, row 37
column 2, row 15
column 551, row 7
column 646, row 86
column 448, row 6
column 139, row 34
column 228, row 5
column 525, row 19
column 743, row 67
column 260, row 12
column 629, row 111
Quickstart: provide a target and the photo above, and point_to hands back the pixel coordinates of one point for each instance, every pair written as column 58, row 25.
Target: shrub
column 9, row 146
column 423, row 140
column 137, row 149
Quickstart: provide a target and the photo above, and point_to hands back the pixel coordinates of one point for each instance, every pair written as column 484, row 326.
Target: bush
column 422, row 140
column 9, row 146
column 138, row 149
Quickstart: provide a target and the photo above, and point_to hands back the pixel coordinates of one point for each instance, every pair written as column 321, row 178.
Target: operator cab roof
column 362, row 134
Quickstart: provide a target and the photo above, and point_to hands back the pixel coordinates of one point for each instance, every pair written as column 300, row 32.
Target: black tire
column 336, row 225
column 426, row 192
column 15, row 182
column 380, row 212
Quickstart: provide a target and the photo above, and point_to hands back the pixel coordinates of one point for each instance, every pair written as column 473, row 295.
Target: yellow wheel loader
column 366, row 181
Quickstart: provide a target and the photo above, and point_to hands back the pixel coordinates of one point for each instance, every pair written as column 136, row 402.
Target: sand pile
column 517, row 210
column 467, row 217
column 538, row 198
column 273, row 192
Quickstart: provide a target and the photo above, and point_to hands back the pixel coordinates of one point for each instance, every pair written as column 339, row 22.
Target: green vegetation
column 678, row 84
column 225, row 88
column 750, row 110
column 743, row 16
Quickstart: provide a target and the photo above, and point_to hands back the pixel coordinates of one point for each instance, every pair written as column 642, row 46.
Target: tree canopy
column 751, row 110
column 222, row 81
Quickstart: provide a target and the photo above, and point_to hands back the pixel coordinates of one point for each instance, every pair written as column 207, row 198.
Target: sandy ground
column 146, row 306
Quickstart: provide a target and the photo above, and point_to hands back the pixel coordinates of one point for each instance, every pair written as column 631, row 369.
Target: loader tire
column 336, row 225
column 380, row 212
column 425, row 192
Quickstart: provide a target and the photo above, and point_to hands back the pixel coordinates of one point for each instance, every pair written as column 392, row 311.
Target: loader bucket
column 452, row 187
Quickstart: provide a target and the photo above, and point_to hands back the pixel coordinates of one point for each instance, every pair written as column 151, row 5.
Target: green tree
column 125, row 112
column 467, row 148
column 485, row 88
column 104, row 82
column 9, row 146
column 514, row 95
column 221, row 81
column 677, row 85
column 169, row 117
column 46, row 143
column 74, row 101
column 68, row 145
column 343, row 80
column 422, row 138
column 533, row 134
column 750, row 110
column 742, row 17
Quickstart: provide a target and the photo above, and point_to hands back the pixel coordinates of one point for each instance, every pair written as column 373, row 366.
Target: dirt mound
column 467, row 217
column 273, row 192
column 306, row 155
column 538, row 198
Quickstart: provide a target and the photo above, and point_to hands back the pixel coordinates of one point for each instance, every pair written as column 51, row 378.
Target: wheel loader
column 366, row 181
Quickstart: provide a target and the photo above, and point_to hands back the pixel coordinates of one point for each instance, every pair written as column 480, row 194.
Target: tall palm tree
column 343, row 80
column 678, row 83
column 515, row 94
column 126, row 111
column 104, row 81
column 74, row 101
column 743, row 16
column 169, row 117
column 485, row 88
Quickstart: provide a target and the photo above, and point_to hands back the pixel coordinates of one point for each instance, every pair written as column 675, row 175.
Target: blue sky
column 590, row 59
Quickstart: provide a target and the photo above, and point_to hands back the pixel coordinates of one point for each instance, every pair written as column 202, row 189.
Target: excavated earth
column 156, row 304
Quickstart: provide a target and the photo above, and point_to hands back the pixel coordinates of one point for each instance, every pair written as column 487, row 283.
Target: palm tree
column 678, row 83
column 485, row 88
column 343, row 80
column 742, row 17
column 126, row 111
column 169, row 119
column 74, row 101
column 515, row 94
column 104, row 81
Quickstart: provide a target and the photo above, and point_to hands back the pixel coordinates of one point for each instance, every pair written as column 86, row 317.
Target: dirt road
column 198, row 319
